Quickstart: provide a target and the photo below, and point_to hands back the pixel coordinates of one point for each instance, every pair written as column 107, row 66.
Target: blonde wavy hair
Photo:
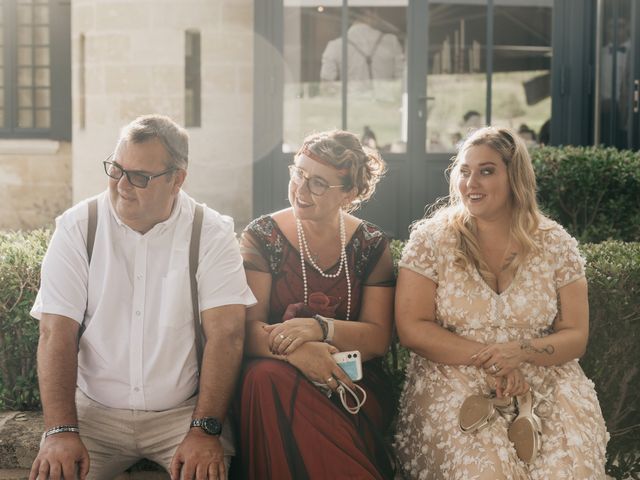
column 365, row 167
column 525, row 213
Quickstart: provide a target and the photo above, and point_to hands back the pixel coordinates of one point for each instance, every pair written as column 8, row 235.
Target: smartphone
column 351, row 363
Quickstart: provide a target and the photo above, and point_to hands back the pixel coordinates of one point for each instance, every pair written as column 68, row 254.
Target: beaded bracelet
column 61, row 429
column 323, row 326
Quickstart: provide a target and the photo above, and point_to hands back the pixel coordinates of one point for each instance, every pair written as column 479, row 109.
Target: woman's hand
column 314, row 360
column 286, row 337
column 511, row 384
column 499, row 359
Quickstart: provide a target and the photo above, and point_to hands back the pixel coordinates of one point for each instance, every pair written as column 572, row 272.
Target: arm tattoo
column 528, row 347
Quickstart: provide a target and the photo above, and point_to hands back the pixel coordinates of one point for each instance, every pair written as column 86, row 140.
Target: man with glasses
column 117, row 359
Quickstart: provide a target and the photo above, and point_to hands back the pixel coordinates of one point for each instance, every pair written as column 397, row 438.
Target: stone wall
column 35, row 182
column 128, row 60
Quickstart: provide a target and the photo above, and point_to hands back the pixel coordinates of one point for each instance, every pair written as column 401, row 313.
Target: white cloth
column 387, row 59
column 138, row 349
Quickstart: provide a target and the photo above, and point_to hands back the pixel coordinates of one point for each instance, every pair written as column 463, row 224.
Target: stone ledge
column 14, row 474
column 20, row 434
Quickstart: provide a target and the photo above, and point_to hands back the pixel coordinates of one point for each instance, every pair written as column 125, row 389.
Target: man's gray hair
column 147, row 127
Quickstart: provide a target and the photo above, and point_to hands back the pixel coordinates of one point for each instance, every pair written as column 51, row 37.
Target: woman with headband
column 324, row 282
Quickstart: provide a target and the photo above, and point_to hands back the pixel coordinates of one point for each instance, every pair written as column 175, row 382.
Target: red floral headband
column 315, row 157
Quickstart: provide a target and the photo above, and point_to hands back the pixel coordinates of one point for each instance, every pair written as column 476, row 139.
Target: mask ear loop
column 342, row 391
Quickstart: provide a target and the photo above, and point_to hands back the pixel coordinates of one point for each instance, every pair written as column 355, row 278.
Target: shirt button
column 136, row 389
column 139, row 276
column 138, row 312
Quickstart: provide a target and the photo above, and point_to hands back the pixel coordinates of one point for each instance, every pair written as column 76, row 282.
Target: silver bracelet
column 331, row 326
column 327, row 326
column 61, row 429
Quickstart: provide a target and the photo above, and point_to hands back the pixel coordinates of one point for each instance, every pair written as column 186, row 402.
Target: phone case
column 351, row 363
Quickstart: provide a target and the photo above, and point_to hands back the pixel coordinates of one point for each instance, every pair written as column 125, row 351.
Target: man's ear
column 178, row 179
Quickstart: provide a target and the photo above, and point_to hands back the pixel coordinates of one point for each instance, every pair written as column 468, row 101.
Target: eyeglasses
column 137, row 179
column 316, row 185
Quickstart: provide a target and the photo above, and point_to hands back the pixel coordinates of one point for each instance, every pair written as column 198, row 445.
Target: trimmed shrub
column 613, row 273
column 594, row 192
column 611, row 361
column 20, row 258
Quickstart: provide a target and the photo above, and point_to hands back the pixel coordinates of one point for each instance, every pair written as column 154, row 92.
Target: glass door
column 618, row 88
column 617, row 81
column 344, row 67
column 488, row 63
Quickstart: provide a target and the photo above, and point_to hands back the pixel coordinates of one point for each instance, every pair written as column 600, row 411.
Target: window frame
column 59, row 73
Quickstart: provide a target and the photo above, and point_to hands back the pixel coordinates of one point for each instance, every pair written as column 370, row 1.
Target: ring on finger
column 330, row 379
column 494, row 368
column 281, row 336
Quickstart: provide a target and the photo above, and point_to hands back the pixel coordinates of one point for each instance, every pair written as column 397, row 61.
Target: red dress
column 288, row 428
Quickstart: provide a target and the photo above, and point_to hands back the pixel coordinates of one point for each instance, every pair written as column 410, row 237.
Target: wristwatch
column 209, row 425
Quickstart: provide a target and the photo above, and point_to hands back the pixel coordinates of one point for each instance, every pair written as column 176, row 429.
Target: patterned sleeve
column 252, row 249
column 379, row 271
column 419, row 253
column 569, row 263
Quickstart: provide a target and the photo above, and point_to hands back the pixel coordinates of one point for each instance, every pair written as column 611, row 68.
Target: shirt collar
column 158, row 227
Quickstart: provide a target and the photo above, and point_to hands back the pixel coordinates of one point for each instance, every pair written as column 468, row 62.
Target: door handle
column 636, row 96
column 423, row 99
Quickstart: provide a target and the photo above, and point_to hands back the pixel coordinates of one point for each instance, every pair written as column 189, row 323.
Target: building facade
column 250, row 78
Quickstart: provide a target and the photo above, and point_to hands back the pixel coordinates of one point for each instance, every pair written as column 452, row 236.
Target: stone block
column 123, row 15
column 219, row 79
column 227, row 47
column 107, row 48
column 127, row 79
column 20, row 434
column 198, row 14
column 83, row 17
column 237, row 14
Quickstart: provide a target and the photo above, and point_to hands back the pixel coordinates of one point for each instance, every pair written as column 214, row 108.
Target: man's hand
column 199, row 456
column 58, row 458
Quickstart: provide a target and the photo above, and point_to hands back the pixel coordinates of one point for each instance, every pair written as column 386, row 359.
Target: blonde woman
column 492, row 300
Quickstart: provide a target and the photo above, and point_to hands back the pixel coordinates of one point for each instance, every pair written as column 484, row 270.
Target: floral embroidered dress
column 288, row 428
column 428, row 441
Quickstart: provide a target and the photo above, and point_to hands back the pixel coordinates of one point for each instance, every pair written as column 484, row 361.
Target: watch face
column 211, row 425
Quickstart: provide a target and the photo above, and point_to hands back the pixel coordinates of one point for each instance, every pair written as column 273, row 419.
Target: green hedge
column 611, row 361
column 613, row 271
column 593, row 191
column 20, row 257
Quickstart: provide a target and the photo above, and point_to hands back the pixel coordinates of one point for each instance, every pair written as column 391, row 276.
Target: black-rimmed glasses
column 316, row 185
column 137, row 179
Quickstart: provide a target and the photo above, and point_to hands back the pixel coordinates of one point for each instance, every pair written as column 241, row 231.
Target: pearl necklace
column 304, row 248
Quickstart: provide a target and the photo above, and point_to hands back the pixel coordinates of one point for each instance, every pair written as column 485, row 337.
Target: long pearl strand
column 304, row 248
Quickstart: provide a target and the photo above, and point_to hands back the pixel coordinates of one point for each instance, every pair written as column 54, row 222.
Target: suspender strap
column 91, row 227
column 194, row 254
column 368, row 58
column 92, row 224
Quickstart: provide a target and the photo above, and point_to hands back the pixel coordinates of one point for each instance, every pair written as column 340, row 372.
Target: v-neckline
column 334, row 265
column 488, row 287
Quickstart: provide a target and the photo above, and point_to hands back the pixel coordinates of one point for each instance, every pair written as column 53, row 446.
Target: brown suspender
column 194, row 253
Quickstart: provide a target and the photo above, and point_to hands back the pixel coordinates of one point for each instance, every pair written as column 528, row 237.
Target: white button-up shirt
column 138, row 350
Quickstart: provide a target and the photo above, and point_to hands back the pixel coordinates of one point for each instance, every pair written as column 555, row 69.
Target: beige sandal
column 525, row 431
column 478, row 411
